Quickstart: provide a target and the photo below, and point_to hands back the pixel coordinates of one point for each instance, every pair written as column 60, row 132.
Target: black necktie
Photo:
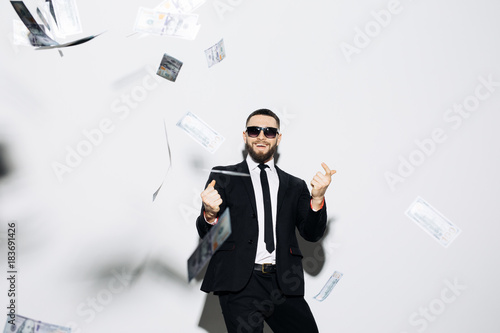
column 268, row 213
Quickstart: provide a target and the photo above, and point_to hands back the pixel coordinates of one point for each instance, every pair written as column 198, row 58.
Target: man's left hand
column 319, row 184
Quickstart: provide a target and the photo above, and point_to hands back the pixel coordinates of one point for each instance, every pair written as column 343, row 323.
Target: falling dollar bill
column 209, row 244
column 216, row 53
column 433, row 222
column 169, row 68
column 201, row 132
column 158, row 22
column 328, row 287
column 68, row 18
column 169, row 161
column 22, row 324
column 179, row 6
column 37, row 35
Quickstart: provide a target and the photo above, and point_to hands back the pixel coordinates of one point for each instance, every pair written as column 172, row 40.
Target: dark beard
column 258, row 158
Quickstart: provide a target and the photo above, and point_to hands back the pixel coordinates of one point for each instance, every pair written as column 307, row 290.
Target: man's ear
column 244, row 137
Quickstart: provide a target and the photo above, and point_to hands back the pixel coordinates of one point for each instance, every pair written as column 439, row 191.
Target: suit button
column 250, row 241
column 253, row 216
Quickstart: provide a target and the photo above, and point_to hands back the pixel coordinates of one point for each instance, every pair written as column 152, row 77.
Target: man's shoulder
column 232, row 167
column 291, row 178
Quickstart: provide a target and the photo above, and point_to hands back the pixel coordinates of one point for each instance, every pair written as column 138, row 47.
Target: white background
column 360, row 113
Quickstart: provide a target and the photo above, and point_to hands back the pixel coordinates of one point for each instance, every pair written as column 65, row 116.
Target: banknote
column 168, row 6
column 169, row 161
column 201, row 132
column 209, row 245
column 50, row 7
column 164, row 23
column 20, row 33
column 433, row 222
column 328, row 287
column 222, row 231
column 182, row 25
column 169, row 68
column 216, row 53
column 38, row 35
column 230, row 173
column 179, row 6
column 68, row 17
column 73, row 43
column 21, row 324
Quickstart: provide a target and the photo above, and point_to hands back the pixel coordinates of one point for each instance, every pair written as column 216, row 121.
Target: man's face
column 261, row 149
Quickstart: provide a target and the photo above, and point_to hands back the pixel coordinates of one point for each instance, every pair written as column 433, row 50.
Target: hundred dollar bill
column 169, row 68
column 201, row 132
column 21, row 33
column 230, row 173
column 168, row 6
column 21, row 324
column 68, row 18
column 163, row 23
column 433, row 222
column 216, row 53
column 187, row 6
column 328, row 287
column 38, row 36
column 209, row 245
column 169, row 161
column 179, row 6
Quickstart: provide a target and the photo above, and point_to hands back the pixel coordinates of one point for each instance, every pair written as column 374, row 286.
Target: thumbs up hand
column 211, row 201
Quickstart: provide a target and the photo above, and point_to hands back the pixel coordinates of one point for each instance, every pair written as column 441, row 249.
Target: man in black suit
column 257, row 272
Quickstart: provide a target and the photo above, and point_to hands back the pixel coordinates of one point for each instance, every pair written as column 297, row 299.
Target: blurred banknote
column 68, row 18
column 169, row 68
column 216, row 53
column 201, row 132
column 163, row 23
column 209, row 244
column 327, row 289
column 21, row 33
column 179, row 6
column 38, row 36
column 22, row 324
column 433, row 222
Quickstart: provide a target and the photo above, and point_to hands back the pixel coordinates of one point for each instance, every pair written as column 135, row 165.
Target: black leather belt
column 265, row 268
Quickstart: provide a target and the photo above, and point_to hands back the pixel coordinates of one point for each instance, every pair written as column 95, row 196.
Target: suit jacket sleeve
column 311, row 224
column 201, row 225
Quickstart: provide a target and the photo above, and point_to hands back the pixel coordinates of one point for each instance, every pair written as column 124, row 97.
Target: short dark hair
column 264, row 112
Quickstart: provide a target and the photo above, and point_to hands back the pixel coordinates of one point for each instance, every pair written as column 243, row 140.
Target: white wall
column 359, row 113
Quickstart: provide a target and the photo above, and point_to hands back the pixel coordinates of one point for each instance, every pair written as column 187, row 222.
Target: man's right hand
column 211, row 201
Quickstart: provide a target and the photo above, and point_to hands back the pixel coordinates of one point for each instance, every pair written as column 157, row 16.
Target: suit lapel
column 283, row 188
column 247, row 182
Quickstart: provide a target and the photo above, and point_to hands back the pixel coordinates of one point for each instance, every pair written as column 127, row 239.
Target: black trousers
column 262, row 300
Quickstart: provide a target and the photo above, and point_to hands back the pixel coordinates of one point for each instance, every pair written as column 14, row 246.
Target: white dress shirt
column 264, row 257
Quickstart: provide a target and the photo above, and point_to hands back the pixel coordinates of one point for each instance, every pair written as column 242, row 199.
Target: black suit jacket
column 231, row 266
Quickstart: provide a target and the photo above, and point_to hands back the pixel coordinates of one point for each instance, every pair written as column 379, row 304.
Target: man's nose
column 261, row 135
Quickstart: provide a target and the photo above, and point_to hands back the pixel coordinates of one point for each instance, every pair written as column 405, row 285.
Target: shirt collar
column 252, row 165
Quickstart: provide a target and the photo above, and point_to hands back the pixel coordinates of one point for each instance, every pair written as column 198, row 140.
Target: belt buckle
column 263, row 267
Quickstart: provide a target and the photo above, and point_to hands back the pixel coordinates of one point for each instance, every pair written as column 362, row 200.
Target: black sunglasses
column 269, row 132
